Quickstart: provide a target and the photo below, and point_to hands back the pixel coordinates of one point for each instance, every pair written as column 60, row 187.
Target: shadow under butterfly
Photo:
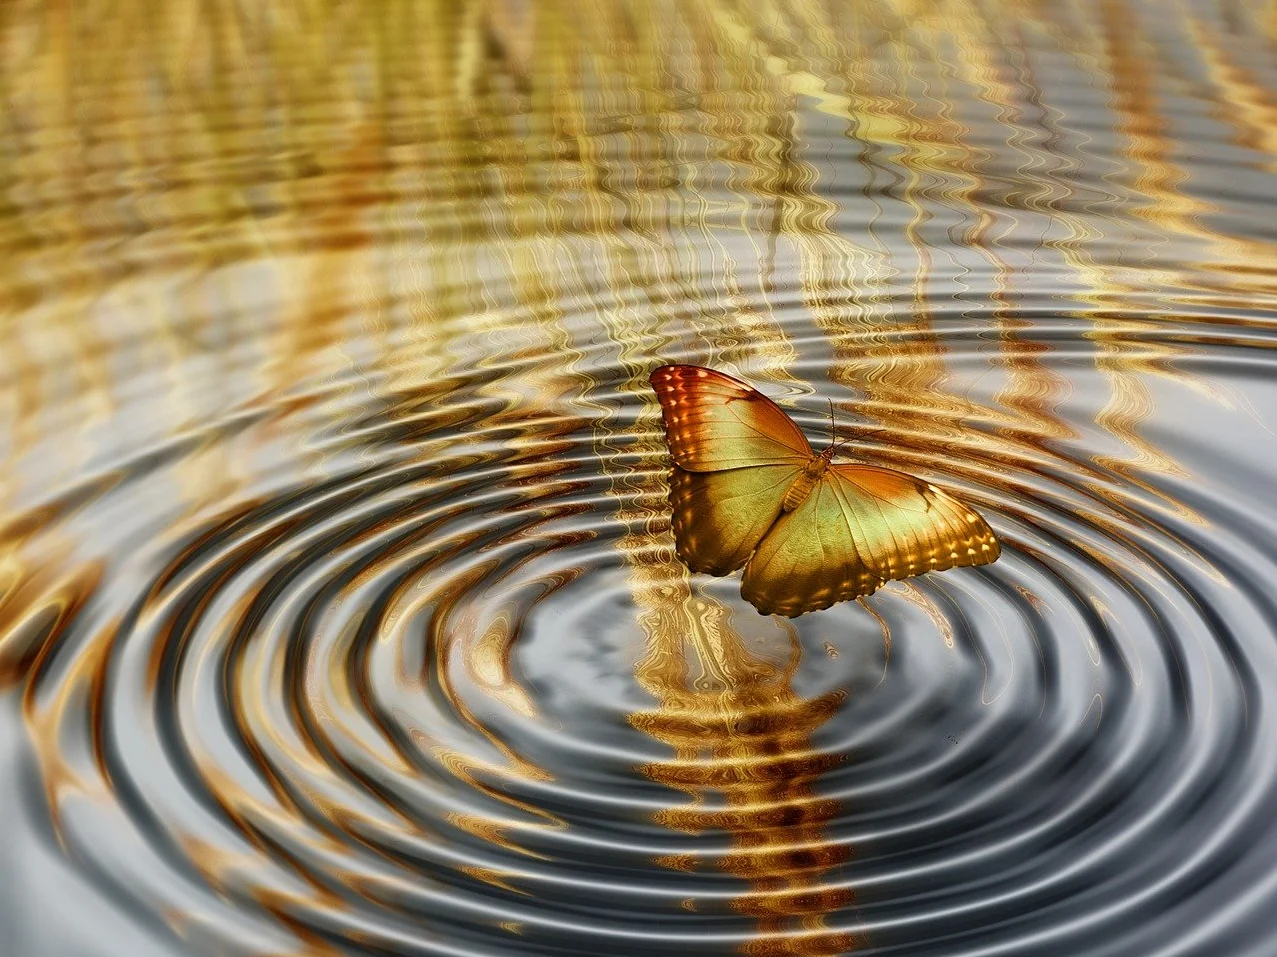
column 746, row 489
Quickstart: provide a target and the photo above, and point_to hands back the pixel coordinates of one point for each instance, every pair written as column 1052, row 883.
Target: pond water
column 339, row 611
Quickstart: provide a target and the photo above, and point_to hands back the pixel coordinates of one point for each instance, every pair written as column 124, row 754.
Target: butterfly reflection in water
column 747, row 489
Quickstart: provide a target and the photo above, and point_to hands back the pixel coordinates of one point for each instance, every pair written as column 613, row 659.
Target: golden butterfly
column 747, row 490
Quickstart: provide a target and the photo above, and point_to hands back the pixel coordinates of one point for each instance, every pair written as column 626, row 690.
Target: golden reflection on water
column 231, row 207
column 741, row 739
column 743, row 754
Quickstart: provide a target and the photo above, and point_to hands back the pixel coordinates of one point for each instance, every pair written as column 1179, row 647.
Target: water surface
column 339, row 612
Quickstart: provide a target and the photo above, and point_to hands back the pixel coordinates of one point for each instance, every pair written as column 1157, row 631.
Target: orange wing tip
column 675, row 370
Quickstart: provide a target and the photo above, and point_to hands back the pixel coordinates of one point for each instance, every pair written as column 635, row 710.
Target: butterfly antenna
column 833, row 431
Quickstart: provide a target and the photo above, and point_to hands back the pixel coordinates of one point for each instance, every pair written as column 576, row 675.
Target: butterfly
column 747, row 490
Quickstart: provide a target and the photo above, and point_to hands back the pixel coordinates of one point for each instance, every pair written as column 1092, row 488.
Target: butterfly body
column 806, row 480
column 747, row 490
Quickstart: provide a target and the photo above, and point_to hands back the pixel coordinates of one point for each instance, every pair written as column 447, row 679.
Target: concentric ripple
column 339, row 611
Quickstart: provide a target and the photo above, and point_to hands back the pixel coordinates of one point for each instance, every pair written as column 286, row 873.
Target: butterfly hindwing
column 859, row 527
column 714, row 422
column 808, row 560
column 719, row 517
column 905, row 526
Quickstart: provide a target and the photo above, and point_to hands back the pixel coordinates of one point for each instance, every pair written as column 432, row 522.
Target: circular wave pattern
column 464, row 701
column 339, row 613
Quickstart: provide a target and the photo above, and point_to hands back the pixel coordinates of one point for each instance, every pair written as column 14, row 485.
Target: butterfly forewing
column 715, row 422
column 904, row 526
column 719, row 517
